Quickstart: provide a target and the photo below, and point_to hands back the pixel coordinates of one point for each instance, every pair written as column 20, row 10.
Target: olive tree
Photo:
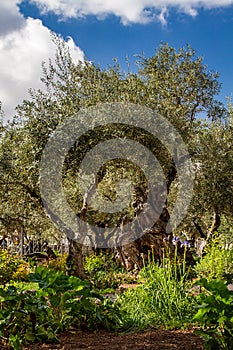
column 173, row 83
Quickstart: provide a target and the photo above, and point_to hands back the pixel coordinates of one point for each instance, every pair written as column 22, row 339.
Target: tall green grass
column 163, row 299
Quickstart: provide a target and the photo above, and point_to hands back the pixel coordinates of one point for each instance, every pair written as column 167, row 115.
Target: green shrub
column 59, row 302
column 101, row 262
column 111, row 279
column 217, row 263
column 162, row 300
column 22, row 272
column 8, row 265
column 94, row 263
column 225, row 231
column 105, row 272
column 12, row 268
column 215, row 315
column 58, row 264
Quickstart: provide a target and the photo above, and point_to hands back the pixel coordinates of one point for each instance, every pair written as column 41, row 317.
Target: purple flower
column 185, row 244
column 175, row 240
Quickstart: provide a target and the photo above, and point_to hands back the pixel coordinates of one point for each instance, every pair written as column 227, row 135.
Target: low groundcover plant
column 215, row 315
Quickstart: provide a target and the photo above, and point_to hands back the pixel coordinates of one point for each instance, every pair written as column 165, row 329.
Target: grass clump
column 163, row 299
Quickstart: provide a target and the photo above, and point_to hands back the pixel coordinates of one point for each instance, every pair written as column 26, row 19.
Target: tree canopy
column 174, row 83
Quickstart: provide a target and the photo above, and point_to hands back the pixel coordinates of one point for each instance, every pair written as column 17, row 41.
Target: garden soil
column 102, row 340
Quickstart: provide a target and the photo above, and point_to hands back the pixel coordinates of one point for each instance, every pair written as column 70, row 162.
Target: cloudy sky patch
column 24, row 44
column 25, row 38
column 130, row 11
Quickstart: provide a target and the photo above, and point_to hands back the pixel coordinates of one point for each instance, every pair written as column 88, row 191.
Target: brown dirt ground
column 102, row 340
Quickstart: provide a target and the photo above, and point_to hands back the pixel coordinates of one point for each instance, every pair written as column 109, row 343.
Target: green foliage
column 217, row 263
column 182, row 85
column 22, row 272
column 111, row 279
column 12, row 267
column 174, row 83
column 225, row 232
column 24, row 286
column 215, row 315
column 105, row 272
column 215, row 155
column 95, row 262
column 8, row 265
column 162, row 300
column 58, row 264
column 59, row 302
column 73, row 300
column 15, row 341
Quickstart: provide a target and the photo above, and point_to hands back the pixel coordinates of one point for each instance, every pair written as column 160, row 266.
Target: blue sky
column 101, row 32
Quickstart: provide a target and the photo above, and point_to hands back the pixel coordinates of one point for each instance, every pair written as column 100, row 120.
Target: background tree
column 213, row 197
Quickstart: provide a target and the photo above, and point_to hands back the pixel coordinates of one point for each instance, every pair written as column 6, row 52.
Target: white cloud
column 25, row 44
column 162, row 16
column 130, row 11
column 10, row 18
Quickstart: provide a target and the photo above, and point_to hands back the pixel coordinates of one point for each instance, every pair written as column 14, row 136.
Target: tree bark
column 74, row 260
column 216, row 222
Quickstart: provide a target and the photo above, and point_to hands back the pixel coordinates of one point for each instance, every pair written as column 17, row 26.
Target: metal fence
column 33, row 246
